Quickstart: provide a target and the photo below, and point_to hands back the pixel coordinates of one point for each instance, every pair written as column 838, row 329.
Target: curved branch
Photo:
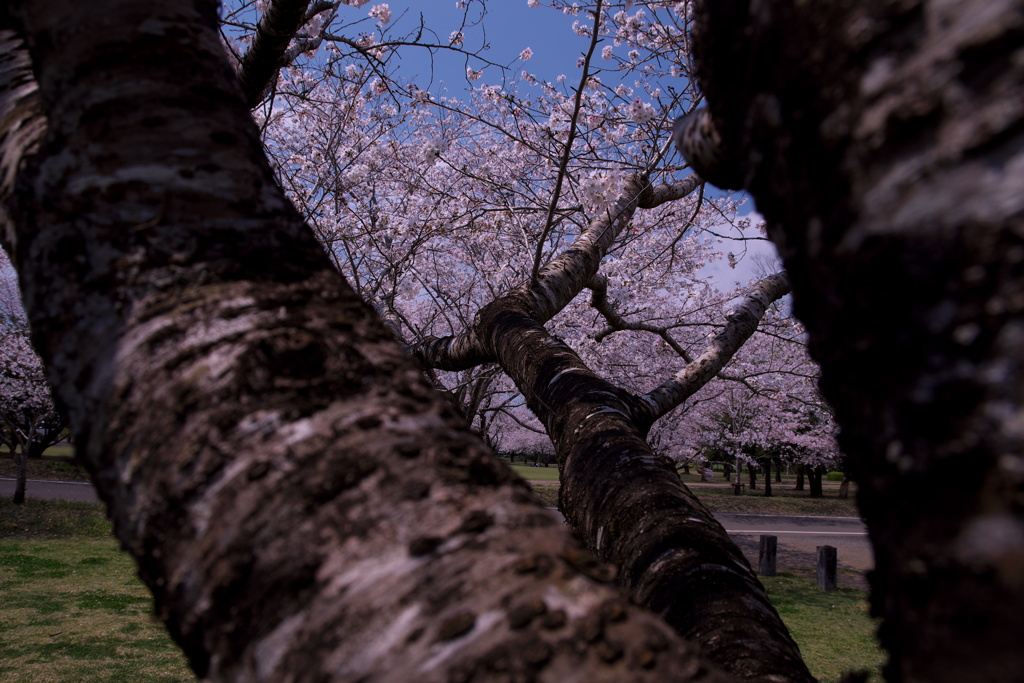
column 662, row 194
column 742, row 323
column 288, row 483
column 260, row 63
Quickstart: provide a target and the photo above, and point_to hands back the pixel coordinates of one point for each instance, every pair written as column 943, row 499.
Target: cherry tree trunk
column 630, row 507
column 21, row 476
column 884, row 143
column 814, row 476
column 303, row 506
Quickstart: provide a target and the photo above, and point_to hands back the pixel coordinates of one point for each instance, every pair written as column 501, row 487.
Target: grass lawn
column 54, row 465
column 784, row 501
column 720, row 497
column 530, row 473
column 833, row 630
column 73, row 609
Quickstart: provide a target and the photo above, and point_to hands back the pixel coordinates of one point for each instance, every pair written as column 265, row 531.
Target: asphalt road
column 798, row 537
column 51, row 490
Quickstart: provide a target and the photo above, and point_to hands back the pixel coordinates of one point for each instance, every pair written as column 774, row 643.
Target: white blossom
column 431, row 150
column 382, row 13
column 640, row 112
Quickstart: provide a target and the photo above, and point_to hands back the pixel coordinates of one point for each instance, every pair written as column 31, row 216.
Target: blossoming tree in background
column 29, row 422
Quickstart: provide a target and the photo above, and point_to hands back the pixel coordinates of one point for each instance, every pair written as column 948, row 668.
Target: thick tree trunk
column 814, row 475
column 264, row 58
column 21, row 475
column 626, row 502
column 682, row 565
column 767, row 464
column 299, row 500
column 800, row 477
column 882, row 141
column 752, row 476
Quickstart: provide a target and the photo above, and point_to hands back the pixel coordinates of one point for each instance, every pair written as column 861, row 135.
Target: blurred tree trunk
column 882, row 141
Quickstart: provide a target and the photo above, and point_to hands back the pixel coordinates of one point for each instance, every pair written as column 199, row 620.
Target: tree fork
column 301, row 503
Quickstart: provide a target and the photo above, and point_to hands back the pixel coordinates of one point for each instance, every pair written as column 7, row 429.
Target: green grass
column 530, row 473
column 833, row 630
column 73, row 610
column 719, row 496
column 784, row 501
column 52, row 519
column 55, row 465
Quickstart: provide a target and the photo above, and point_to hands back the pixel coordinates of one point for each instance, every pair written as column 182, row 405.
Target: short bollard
column 826, row 568
column 769, row 550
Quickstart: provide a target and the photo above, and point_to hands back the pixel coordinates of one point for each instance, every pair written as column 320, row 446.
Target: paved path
column 798, row 537
column 50, row 490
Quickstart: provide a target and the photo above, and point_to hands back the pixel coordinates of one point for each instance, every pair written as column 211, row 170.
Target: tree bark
column 626, row 502
column 767, row 464
column 814, row 477
column 263, row 59
column 613, row 485
column 301, row 503
column 20, row 477
column 882, row 141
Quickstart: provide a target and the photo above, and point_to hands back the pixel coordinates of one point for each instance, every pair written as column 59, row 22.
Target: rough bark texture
column 21, row 121
column 20, row 477
column 302, row 505
column 884, row 143
column 627, row 503
column 264, row 58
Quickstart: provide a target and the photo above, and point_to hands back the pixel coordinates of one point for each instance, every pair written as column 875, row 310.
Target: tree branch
column 742, row 323
column 261, row 62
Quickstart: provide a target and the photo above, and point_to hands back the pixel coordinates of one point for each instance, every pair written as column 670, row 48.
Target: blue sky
column 509, row 27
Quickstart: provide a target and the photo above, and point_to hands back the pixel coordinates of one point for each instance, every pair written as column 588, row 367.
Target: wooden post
column 826, row 568
column 769, row 551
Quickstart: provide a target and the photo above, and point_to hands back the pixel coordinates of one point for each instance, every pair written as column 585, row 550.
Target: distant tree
column 29, row 422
